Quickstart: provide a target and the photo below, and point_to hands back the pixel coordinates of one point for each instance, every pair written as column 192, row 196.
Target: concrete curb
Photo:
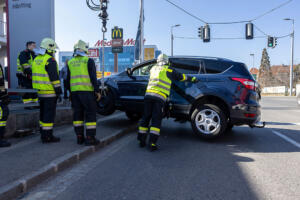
column 19, row 187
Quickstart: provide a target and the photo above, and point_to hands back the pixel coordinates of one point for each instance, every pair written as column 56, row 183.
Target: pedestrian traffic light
column 206, row 33
column 200, row 32
column 249, row 31
column 271, row 42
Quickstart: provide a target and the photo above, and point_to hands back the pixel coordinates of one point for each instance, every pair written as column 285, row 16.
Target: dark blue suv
column 225, row 96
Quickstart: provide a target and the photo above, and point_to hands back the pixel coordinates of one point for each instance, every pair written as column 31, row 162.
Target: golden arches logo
column 117, row 33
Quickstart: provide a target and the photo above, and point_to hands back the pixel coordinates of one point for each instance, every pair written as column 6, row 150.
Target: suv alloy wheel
column 208, row 121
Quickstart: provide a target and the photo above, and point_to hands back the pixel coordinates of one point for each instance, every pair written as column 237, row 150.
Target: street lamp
column 172, row 37
column 292, row 53
column 252, row 55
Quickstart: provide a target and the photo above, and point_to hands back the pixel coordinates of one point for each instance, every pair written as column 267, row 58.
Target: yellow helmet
column 49, row 44
column 81, row 45
column 163, row 59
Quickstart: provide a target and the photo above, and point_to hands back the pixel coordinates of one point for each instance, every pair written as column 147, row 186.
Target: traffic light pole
column 292, row 58
column 172, row 40
column 142, row 33
column 103, row 68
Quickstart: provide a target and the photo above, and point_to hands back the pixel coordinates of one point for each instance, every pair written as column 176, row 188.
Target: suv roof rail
column 203, row 57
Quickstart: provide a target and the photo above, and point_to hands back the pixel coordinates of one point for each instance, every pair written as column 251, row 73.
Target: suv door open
column 132, row 89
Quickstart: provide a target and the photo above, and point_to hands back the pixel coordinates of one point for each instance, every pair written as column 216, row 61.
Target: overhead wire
column 230, row 38
column 231, row 22
column 236, row 22
column 185, row 11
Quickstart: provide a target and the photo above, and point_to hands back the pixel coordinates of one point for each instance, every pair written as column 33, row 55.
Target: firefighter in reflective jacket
column 45, row 79
column 158, row 90
column 4, row 101
column 24, row 71
column 82, row 82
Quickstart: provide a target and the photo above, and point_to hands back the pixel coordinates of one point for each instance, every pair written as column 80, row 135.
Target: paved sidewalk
column 29, row 155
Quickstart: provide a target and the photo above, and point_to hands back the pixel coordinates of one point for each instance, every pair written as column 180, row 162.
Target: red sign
column 93, row 53
column 128, row 42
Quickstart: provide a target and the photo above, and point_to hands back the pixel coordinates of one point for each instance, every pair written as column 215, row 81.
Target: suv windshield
column 143, row 71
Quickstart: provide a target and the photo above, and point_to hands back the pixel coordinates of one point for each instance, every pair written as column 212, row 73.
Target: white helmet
column 49, row 44
column 81, row 45
column 163, row 59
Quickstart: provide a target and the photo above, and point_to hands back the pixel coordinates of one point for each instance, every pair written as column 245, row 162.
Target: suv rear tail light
column 249, row 84
column 250, row 115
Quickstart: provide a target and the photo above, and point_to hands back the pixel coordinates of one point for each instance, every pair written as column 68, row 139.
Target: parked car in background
column 226, row 95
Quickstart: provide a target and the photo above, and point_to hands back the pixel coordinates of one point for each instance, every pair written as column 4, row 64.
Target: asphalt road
column 245, row 164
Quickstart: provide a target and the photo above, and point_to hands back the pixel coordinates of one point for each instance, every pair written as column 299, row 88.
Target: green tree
column 265, row 77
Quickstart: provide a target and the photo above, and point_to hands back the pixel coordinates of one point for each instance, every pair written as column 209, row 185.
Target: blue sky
column 74, row 20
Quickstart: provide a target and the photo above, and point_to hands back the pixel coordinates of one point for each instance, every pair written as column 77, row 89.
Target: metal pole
column 103, row 69
column 292, row 58
column 142, row 32
column 172, row 40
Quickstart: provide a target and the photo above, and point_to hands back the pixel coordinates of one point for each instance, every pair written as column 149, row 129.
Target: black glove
column 28, row 71
column 5, row 99
column 58, row 91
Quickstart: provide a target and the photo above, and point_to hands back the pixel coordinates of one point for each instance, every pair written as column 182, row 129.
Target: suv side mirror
column 129, row 72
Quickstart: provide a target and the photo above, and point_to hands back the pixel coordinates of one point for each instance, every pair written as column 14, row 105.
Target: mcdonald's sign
column 117, row 33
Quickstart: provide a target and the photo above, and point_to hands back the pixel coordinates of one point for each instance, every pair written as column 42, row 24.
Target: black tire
column 212, row 117
column 106, row 106
column 133, row 116
column 229, row 128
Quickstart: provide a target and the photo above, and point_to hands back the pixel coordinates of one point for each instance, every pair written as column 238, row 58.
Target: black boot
column 153, row 141
column 142, row 139
column 4, row 143
column 49, row 138
column 91, row 141
column 80, row 139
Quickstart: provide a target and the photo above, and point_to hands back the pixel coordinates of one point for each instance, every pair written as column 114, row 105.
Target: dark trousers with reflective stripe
column 47, row 115
column 27, row 83
column 4, row 112
column 84, row 111
column 153, row 110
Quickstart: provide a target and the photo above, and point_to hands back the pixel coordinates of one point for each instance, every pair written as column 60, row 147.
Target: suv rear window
column 216, row 67
column 186, row 66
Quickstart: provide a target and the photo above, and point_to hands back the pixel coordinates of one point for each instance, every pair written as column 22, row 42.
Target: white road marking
column 293, row 142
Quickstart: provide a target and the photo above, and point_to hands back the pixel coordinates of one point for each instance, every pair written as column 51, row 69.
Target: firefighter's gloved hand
column 58, row 91
column 5, row 99
column 28, row 71
column 195, row 80
column 98, row 96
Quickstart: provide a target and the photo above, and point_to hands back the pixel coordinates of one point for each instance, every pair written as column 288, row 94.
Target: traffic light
column 206, row 33
column 271, row 42
column 200, row 32
column 249, row 31
column 275, row 42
